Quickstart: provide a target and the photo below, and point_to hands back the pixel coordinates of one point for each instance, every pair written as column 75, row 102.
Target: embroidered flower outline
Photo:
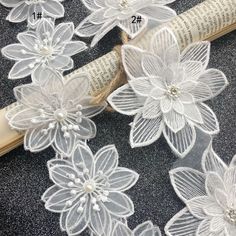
column 88, row 191
column 210, row 198
column 47, row 45
column 29, row 10
column 131, row 16
column 166, row 91
column 55, row 112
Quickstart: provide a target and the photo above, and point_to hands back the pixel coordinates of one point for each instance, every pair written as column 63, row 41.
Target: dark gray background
column 24, row 176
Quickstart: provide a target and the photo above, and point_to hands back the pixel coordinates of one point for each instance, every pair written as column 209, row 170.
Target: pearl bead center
column 89, row 186
column 173, row 91
column 123, row 4
column 60, row 114
column 230, row 215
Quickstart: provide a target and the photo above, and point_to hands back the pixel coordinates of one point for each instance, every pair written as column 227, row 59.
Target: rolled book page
column 208, row 20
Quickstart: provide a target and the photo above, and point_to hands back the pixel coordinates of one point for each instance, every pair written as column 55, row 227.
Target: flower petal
column 152, row 65
column 199, row 51
column 145, row 131
column 204, row 228
column 82, row 158
column 58, row 201
column 192, row 69
column 230, row 177
column 18, row 13
column 132, row 61
column 217, row 224
column 121, row 229
column 178, row 106
column 74, row 47
column 151, row 109
column 132, row 29
column 163, row 40
column 87, row 129
column 221, row 198
column 166, row 104
column 231, row 198
column 63, row 33
column 183, row 223
column 27, row 39
column 174, row 121
column 192, row 112
column 60, row 175
column 10, row 3
column 21, row 69
column 201, row 92
column 63, row 217
column 142, row 227
column 59, row 61
column 122, row 179
column 181, row 142
column 215, row 80
column 53, row 8
column 187, row 183
column 49, row 192
column 106, row 160
column 125, row 101
column 119, row 204
column 141, row 86
column 210, row 123
column 91, row 4
column 213, row 209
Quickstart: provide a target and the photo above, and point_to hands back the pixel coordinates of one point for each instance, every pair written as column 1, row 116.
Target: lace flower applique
column 166, row 91
column 54, row 113
column 121, row 229
column 47, row 45
column 131, row 16
column 210, row 198
column 88, row 190
column 31, row 10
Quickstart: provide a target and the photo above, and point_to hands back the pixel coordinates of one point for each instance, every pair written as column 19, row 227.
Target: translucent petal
column 53, row 8
column 141, row 86
column 187, row 183
column 60, row 175
column 204, row 228
column 150, row 232
column 49, row 192
column 133, row 29
column 230, row 177
column 87, row 129
column 199, row 51
column 74, row 47
column 145, row 131
column 44, row 26
column 82, row 158
column 121, row 229
column 122, row 179
column 18, row 13
column 186, row 98
column 192, row 112
column 12, row 111
column 106, row 160
column 210, row 123
column 10, row 3
column 217, row 224
column 125, row 101
column 192, row 69
column 132, row 61
column 183, row 223
column 119, row 204
column 174, row 121
column 59, row 61
column 178, row 106
column 158, row 12
column 151, row 109
column 166, row 104
column 63, row 217
column 215, row 80
column 233, row 161
column 231, row 198
column 163, row 40
column 99, row 17
column 54, row 162
column 90, row 4
column 172, row 55
column 142, row 227
column 27, row 39
column 221, row 198
column 201, row 92
column 213, row 209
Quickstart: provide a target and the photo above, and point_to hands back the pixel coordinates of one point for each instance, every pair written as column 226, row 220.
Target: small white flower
column 48, row 45
column 166, row 91
column 131, row 16
column 54, row 113
column 88, row 191
column 29, row 10
column 210, row 198
column 119, row 228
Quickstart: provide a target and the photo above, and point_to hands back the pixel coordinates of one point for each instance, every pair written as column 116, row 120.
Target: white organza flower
column 166, row 92
column 48, row 45
column 131, row 16
column 210, row 199
column 88, row 191
column 29, row 10
column 54, row 113
column 121, row 229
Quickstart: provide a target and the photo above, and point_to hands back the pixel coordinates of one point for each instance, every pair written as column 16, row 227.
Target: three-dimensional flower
column 166, row 91
column 131, row 16
column 55, row 112
column 119, row 228
column 47, row 45
column 33, row 10
column 210, row 198
column 88, row 190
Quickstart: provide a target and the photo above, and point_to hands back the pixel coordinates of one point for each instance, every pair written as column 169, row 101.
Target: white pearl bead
column 96, row 207
column 73, row 192
column 80, row 209
column 82, row 199
column 69, row 203
column 71, row 184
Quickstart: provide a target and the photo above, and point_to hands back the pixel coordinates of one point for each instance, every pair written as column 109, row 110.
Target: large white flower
column 210, row 198
column 166, row 92
column 48, row 45
column 54, row 113
column 88, row 191
column 131, row 16
column 119, row 228
column 29, row 10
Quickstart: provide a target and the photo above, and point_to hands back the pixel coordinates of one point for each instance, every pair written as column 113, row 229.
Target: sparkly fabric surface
column 24, row 176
